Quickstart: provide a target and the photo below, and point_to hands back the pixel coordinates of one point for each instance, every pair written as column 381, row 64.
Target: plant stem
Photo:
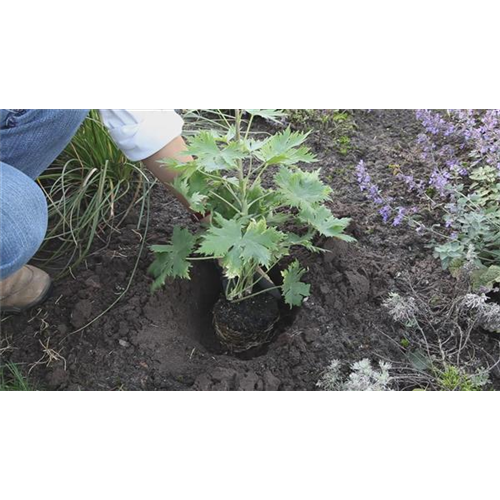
column 249, row 127
column 256, row 293
column 241, row 173
column 213, row 193
column 259, row 199
column 226, row 184
column 263, row 168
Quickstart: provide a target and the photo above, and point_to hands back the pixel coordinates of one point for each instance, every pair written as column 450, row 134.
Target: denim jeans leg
column 31, row 139
column 23, row 219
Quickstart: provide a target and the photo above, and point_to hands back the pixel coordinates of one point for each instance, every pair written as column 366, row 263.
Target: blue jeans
column 30, row 140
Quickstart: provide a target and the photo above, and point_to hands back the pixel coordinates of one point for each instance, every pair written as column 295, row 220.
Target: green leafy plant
column 477, row 243
column 486, row 278
column 453, row 378
column 472, row 197
column 255, row 192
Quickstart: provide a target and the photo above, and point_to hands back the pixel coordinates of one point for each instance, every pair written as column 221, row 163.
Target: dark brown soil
column 166, row 341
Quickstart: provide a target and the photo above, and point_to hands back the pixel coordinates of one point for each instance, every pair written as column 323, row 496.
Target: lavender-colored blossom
column 400, row 216
column 411, row 183
column 454, row 144
column 439, row 180
column 409, row 180
column 373, row 192
column 385, row 212
column 364, row 179
column 366, row 185
column 434, row 123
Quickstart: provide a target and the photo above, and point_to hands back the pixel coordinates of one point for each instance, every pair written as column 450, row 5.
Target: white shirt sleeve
column 142, row 133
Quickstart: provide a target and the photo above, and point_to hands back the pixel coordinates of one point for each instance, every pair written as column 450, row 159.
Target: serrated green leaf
column 253, row 145
column 171, row 260
column 284, row 148
column 231, row 133
column 203, row 144
column 233, row 264
column 210, row 157
column 268, row 114
column 172, row 163
column 323, row 221
column 236, row 245
column 277, row 218
column 198, row 182
column 181, row 185
column 197, row 201
column 294, row 290
column 259, row 241
column 232, row 153
column 220, row 238
column 300, row 189
column 305, row 240
column 260, row 200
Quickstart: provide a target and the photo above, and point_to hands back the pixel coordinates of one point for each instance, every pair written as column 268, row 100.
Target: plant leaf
column 210, row 156
column 232, row 153
column 301, row 189
column 171, row 260
column 236, row 246
column 293, row 239
column 294, row 290
column 277, row 218
column 259, row 242
column 283, row 148
column 321, row 219
column 204, row 144
column 217, row 241
column 268, row 114
column 197, row 201
column 419, row 360
column 253, row 145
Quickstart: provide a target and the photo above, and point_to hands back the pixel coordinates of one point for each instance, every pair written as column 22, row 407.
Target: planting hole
column 203, row 295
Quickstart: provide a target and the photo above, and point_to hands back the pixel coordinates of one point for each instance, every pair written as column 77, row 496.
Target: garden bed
column 165, row 341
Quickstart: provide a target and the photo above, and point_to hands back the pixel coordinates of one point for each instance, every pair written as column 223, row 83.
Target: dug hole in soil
column 166, row 341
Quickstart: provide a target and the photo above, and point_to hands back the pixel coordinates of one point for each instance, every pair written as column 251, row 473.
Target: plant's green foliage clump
column 248, row 232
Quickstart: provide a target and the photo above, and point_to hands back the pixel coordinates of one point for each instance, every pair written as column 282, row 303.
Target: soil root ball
column 244, row 325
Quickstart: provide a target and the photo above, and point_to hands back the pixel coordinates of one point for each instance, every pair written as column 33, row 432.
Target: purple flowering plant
column 461, row 149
